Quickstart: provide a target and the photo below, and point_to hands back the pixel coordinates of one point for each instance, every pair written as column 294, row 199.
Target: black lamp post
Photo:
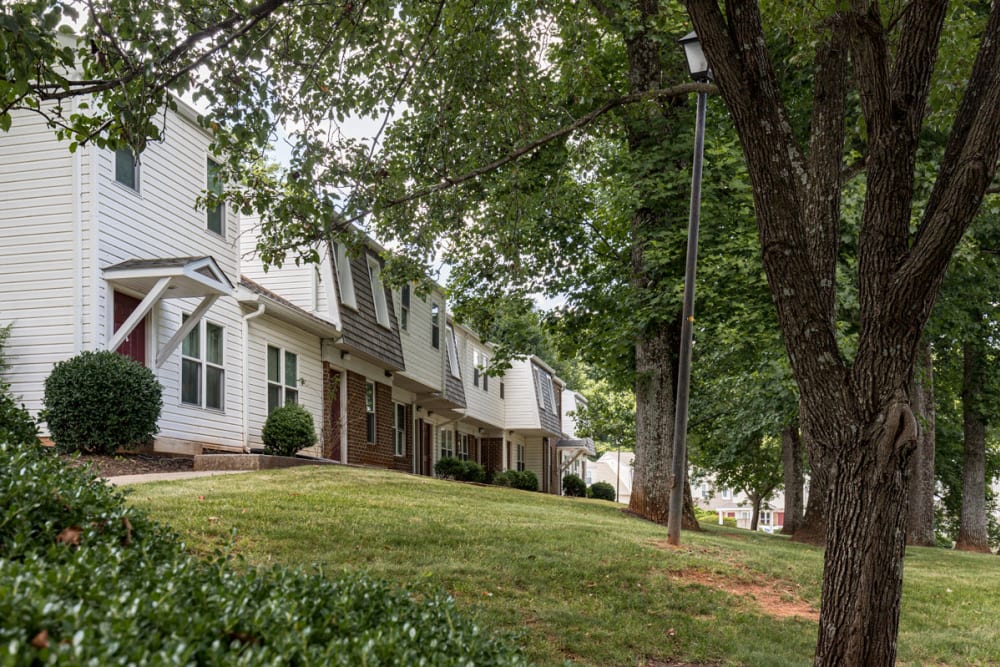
column 698, row 66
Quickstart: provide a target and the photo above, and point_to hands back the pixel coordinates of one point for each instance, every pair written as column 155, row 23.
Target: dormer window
column 543, row 390
column 378, row 293
column 345, row 283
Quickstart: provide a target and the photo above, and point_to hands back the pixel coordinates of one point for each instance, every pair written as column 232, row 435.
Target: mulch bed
column 132, row 464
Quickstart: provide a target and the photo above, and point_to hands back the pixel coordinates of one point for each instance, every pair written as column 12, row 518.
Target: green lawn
column 571, row 578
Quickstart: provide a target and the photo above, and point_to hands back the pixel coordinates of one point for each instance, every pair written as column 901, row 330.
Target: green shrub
column 450, row 467
column 287, row 430
column 574, row 486
column 98, row 402
column 517, row 479
column 16, row 425
column 602, row 491
column 122, row 590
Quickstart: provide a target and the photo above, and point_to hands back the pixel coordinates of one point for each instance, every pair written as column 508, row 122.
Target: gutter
column 261, row 307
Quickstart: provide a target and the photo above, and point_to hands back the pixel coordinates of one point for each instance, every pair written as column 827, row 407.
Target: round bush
column 523, row 479
column 448, row 467
column 473, row 472
column 98, row 402
column 574, row 486
column 287, row 430
column 602, row 491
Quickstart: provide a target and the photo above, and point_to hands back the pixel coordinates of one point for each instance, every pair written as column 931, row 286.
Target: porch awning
column 167, row 278
column 581, row 445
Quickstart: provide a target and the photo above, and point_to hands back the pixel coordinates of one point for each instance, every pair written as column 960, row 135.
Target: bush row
column 449, row 467
column 517, row 479
column 84, row 579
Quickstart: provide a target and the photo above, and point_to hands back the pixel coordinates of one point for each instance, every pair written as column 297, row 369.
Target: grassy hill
column 571, row 578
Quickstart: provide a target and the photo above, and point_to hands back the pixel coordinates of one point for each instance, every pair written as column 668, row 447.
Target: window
column 370, row 411
column 501, row 390
column 453, row 353
column 765, row 518
column 447, row 442
column 282, row 378
column 127, row 168
column 727, row 494
column 202, row 367
column 399, row 429
column 520, row 457
column 378, row 293
column 213, row 184
column 436, row 326
column 543, row 390
column 463, row 446
column 345, row 282
column 404, row 308
column 475, row 368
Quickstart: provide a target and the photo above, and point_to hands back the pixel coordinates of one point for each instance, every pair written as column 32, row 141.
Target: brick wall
column 492, row 454
column 404, row 463
column 359, row 450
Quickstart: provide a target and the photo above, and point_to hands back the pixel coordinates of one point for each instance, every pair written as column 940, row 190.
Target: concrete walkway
column 168, row 476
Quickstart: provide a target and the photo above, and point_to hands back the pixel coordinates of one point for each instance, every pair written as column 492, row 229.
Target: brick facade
column 492, row 454
column 359, row 450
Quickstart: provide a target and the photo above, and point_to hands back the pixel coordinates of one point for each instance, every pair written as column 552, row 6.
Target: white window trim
column 373, row 412
column 221, row 207
column 345, row 280
column 545, row 393
column 462, row 448
column 405, row 297
column 135, row 166
column 281, row 375
column 452, row 345
column 436, row 325
column 202, row 330
column 378, row 293
column 446, row 435
column 519, row 460
column 399, row 429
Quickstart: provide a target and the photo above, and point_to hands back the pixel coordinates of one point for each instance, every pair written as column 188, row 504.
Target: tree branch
column 449, row 182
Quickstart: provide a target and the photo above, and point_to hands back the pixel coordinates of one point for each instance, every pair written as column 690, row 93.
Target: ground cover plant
column 577, row 579
column 85, row 579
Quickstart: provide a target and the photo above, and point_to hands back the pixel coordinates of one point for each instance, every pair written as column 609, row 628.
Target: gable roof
column 189, row 276
column 280, row 307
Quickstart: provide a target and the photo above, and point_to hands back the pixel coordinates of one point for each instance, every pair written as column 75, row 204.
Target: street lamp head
column 697, row 62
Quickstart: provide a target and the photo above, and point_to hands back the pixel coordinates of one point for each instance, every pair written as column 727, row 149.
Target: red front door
column 134, row 345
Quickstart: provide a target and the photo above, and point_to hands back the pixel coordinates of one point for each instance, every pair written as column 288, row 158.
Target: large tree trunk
column 656, row 348
column 863, row 573
column 791, row 455
column 972, row 535
column 654, row 427
column 920, row 519
column 755, row 516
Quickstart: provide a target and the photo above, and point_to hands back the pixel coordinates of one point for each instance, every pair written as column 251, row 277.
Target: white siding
column 533, row 455
column 38, row 285
column 301, row 284
column 265, row 331
column 424, row 363
column 520, row 405
column 482, row 405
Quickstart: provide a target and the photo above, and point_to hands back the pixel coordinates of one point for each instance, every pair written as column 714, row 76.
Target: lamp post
column 698, row 66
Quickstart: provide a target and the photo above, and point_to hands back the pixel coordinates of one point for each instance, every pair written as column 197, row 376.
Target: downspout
column 78, row 254
column 246, row 371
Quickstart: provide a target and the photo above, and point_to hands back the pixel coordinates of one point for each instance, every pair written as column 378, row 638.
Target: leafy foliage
column 602, row 491
column 449, row 467
column 82, row 575
column 101, row 401
column 288, row 429
column 574, row 486
column 525, row 480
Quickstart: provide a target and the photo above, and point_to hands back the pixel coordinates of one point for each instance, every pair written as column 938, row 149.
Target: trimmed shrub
column 98, row 402
column 16, row 425
column 450, row 467
column 82, row 575
column 517, row 479
column 602, row 491
column 287, row 430
column 574, row 486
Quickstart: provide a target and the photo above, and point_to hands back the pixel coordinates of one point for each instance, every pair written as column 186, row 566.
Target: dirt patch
column 132, row 464
column 656, row 662
column 773, row 597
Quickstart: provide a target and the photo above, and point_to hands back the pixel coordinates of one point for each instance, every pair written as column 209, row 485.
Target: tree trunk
column 920, row 519
column 972, row 535
column 791, row 454
column 812, row 529
column 863, row 568
column 649, row 127
column 654, row 428
column 755, row 517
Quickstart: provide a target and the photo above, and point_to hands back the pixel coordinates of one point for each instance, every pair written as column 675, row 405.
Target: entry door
column 426, row 449
column 134, row 345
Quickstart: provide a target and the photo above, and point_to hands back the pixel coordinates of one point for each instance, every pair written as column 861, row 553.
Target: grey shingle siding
column 547, row 418
column 453, row 389
column 361, row 328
